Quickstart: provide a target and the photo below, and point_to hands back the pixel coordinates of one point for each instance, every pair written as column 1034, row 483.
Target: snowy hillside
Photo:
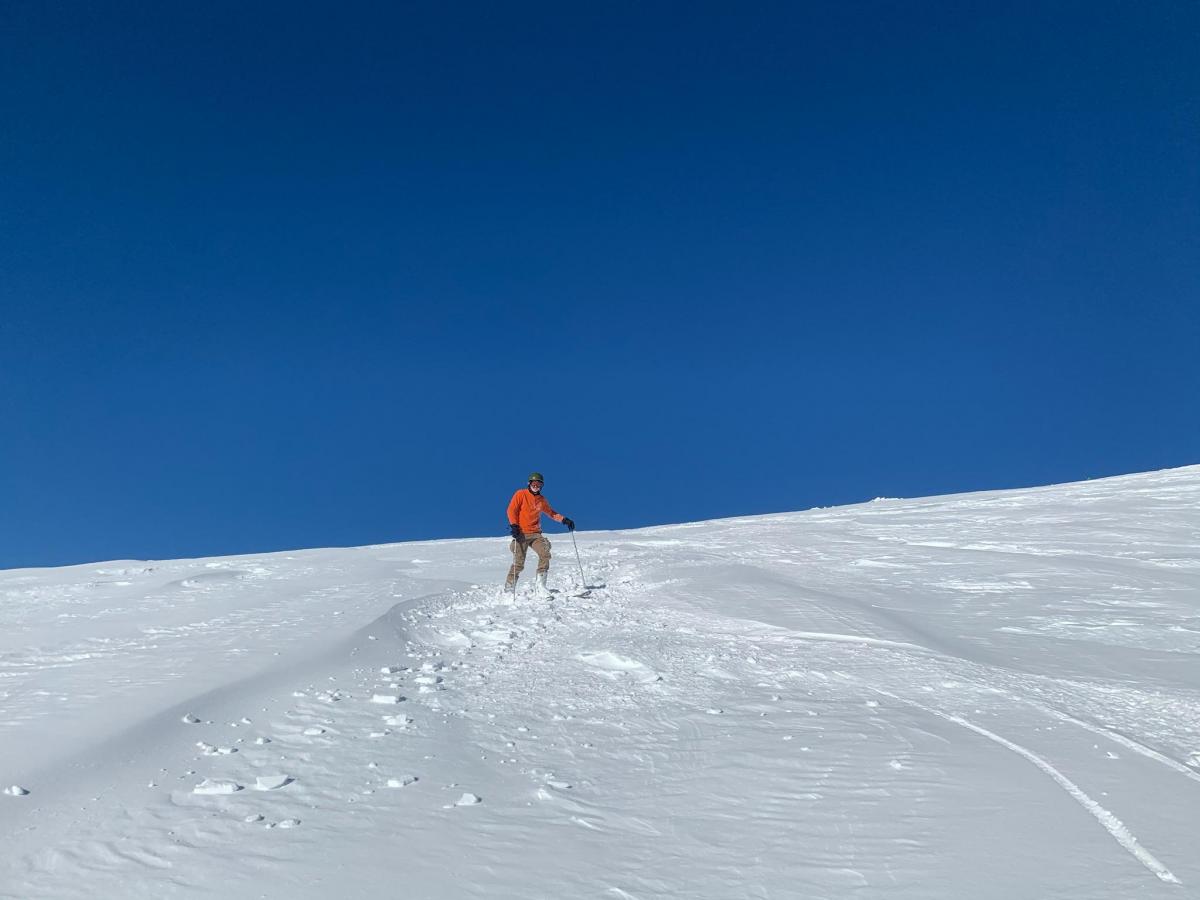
column 986, row 696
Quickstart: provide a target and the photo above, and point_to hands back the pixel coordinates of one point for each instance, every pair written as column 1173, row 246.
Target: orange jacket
column 525, row 509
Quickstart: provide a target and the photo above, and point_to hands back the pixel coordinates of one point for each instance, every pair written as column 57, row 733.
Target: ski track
column 1111, row 823
column 1118, row 738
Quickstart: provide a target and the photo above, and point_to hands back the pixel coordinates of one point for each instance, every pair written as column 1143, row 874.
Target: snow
column 988, row 695
column 386, row 698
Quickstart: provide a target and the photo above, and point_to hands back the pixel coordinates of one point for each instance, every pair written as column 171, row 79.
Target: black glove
column 570, row 524
column 516, row 532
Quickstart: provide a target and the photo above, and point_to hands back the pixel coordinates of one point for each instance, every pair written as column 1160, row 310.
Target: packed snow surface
column 988, row 696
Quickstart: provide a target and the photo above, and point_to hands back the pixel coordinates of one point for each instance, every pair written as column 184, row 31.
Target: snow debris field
column 990, row 695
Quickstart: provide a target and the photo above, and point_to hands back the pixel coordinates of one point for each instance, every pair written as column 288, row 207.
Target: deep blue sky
column 287, row 275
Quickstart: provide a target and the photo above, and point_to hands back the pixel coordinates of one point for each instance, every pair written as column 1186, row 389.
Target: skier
column 525, row 522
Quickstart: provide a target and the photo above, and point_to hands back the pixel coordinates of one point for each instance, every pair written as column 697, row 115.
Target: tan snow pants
column 540, row 546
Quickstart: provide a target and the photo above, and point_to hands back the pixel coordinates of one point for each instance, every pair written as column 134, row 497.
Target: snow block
column 271, row 782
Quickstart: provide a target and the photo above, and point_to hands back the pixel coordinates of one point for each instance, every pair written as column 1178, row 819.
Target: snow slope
column 990, row 696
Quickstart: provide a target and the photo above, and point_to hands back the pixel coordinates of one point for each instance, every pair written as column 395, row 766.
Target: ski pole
column 582, row 580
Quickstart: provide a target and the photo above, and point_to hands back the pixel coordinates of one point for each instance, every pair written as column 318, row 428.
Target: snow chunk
column 216, row 786
column 468, row 800
column 16, row 791
column 271, row 782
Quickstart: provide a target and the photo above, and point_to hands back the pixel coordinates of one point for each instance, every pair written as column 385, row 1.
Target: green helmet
column 536, row 476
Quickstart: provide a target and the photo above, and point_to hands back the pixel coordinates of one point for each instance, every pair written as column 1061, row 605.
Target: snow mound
column 614, row 665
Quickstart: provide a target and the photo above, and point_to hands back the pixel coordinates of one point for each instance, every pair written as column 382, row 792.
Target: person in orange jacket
column 525, row 511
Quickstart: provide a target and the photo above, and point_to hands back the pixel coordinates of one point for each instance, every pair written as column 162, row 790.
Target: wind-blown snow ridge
column 788, row 705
